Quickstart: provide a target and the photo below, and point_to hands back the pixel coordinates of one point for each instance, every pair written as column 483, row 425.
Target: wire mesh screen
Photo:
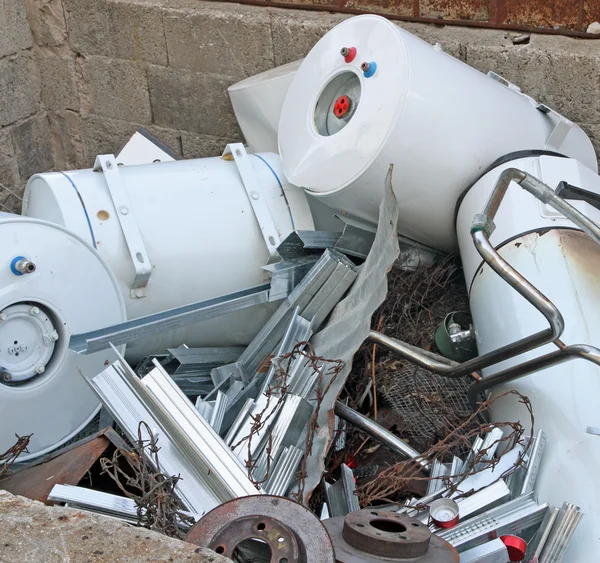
column 430, row 406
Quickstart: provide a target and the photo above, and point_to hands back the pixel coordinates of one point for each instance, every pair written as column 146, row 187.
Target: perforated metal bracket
column 137, row 250
column 257, row 200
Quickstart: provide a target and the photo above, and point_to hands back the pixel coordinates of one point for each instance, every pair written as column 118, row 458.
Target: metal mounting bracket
column 135, row 243
column 259, row 205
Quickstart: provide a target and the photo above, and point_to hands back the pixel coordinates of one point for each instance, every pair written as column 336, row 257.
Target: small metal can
column 515, row 546
column 444, row 513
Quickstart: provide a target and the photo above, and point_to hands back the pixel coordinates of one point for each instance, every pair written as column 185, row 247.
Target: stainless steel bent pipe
column 481, row 230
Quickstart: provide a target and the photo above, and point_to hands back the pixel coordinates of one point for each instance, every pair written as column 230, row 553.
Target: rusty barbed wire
column 276, row 393
column 394, row 480
column 138, row 475
column 11, row 455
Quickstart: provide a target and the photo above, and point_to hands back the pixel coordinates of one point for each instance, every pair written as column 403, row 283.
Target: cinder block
column 117, row 89
column 15, row 34
column 33, row 146
column 116, row 28
column 59, row 87
column 454, row 9
column 9, row 172
column 67, row 136
column 102, row 135
column 47, row 21
column 220, row 38
column 190, row 101
column 201, row 146
column 563, row 80
column 19, row 88
column 295, row 33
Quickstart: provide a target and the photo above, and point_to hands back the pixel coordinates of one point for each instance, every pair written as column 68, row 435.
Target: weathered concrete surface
column 33, row 532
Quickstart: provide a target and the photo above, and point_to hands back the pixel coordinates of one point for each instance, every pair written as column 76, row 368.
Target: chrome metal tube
column 582, row 351
column 378, row 432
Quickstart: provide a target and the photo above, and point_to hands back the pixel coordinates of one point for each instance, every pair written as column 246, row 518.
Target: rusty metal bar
column 418, row 19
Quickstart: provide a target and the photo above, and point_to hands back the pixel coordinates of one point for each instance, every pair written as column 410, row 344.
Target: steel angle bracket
column 135, row 243
column 257, row 200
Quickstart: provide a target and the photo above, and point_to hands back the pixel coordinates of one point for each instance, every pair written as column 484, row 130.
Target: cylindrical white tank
column 66, row 288
column 257, row 103
column 199, row 228
column 564, row 264
column 395, row 99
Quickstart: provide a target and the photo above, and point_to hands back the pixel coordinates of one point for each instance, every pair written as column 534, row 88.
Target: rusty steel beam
column 497, row 16
column 64, row 467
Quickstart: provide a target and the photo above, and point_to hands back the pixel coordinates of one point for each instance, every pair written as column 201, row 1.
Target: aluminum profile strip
column 490, row 445
column 304, row 382
column 339, row 428
column 235, row 388
column 218, row 413
column 286, row 275
column 472, row 455
column 493, row 551
column 97, row 501
column 336, row 499
column 533, row 465
column 560, row 536
column 299, row 330
column 238, row 422
column 349, row 488
column 538, row 542
column 267, row 408
column 291, row 421
column 126, row 399
column 250, row 391
column 205, row 408
column 485, row 499
column 438, row 470
column 491, row 474
column 334, row 297
column 202, row 360
column 457, row 463
column 151, row 325
column 273, row 330
column 225, row 478
column 510, row 518
column 355, row 241
column 298, row 242
column 324, row 512
column 283, row 474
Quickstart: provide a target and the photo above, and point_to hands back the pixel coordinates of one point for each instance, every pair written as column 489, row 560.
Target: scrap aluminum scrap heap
column 235, row 371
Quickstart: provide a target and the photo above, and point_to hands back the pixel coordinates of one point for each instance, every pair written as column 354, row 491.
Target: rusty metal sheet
column 66, row 467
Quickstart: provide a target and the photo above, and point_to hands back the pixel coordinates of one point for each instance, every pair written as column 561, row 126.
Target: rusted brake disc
column 292, row 533
column 374, row 536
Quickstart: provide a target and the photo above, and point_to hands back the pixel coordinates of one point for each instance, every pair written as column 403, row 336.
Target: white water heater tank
column 200, row 229
column 257, row 103
column 52, row 285
column 370, row 94
column 564, row 264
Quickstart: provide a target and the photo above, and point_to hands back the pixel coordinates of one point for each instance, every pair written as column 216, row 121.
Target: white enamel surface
column 257, row 103
column 198, row 227
column 74, row 284
column 565, row 265
column 439, row 121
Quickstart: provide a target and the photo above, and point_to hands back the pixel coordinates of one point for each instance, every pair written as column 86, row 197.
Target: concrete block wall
column 25, row 140
column 101, row 68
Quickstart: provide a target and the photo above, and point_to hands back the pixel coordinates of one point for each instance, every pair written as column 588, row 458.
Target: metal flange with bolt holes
column 374, row 536
column 283, row 531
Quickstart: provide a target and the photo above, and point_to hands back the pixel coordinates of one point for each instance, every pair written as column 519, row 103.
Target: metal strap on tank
column 256, row 197
column 135, row 243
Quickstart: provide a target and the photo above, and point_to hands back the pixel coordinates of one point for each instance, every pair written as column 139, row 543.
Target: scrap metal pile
column 273, row 355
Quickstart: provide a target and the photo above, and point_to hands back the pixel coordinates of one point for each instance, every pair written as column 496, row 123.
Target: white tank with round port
column 564, row 264
column 197, row 220
column 52, row 285
column 370, row 94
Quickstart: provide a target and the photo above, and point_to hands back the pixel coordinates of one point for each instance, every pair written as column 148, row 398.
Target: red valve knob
column 341, row 106
column 349, row 54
